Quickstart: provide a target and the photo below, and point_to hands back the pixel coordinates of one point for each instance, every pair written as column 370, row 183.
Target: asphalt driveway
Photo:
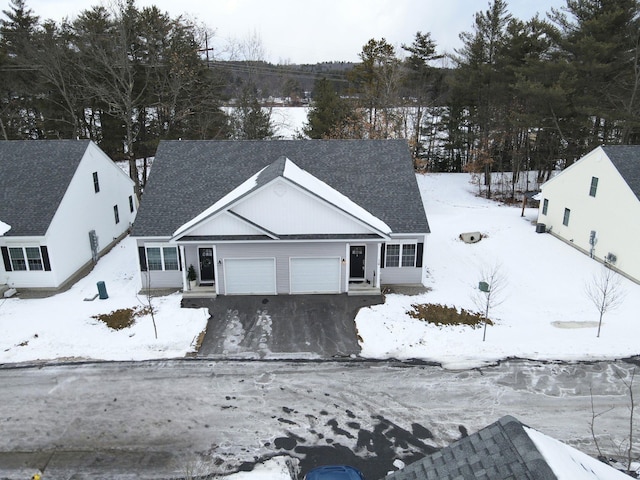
column 282, row 326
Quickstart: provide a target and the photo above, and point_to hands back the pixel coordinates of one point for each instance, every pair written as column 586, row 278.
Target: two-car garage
column 265, row 276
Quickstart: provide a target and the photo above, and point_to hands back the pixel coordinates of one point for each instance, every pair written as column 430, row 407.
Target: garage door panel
column 250, row 276
column 315, row 275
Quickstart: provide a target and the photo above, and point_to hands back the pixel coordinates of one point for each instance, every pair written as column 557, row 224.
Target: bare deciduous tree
column 605, row 292
column 490, row 291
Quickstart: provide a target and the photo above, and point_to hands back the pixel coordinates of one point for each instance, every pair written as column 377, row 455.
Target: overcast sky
column 299, row 31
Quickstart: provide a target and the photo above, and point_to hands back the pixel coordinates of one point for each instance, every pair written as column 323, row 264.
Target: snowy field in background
column 545, row 314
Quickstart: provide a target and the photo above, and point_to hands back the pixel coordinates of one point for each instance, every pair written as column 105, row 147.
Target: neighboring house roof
column 507, row 450
column 285, row 168
column 626, row 159
column 34, row 176
column 189, row 177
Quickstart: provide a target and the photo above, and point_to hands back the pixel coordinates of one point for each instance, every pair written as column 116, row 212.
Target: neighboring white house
column 594, row 205
column 63, row 202
column 282, row 217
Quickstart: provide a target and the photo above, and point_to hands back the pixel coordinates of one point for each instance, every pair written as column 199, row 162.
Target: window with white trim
column 565, row 219
column 409, row 255
column 131, row 203
column 116, row 215
column 400, row 255
column 162, row 258
column 545, row 206
column 96, row 182
column 25, row 258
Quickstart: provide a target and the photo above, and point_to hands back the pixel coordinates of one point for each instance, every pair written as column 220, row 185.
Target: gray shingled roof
column 187, row 177
column 501, row 451
column 34, row 176
column 626, row 158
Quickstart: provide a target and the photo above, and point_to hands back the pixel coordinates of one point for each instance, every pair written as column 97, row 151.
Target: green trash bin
column 102, row 291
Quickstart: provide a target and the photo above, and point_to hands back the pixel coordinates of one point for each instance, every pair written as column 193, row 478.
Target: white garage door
column 250, row 276
column 315, row 275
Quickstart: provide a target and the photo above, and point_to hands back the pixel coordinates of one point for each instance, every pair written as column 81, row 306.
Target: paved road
column 161, row 419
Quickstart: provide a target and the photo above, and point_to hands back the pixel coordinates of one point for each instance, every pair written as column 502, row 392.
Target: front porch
column 200, row 291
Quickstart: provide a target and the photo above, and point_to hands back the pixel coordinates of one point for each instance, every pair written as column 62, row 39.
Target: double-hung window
column 409, row 255
column 116, row 215
column 162, row 258
column 25, row 258
column 96, row 182
column 594, row 187
column 565, row 219
column 545, row 206
column 400, row 255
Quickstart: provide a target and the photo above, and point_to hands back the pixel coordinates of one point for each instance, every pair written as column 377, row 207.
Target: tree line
column 517, row 95
column 520, row 95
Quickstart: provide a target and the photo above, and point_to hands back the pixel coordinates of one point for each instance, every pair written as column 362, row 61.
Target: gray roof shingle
column 34, row 176
column 626, row 159
column 187, row 177
column 500, row 451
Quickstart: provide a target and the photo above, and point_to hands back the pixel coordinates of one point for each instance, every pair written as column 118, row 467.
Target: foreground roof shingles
column 188, row 177
column 34, row 176
column 501, row 451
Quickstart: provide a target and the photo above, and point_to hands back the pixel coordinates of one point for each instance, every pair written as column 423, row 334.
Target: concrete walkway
column 282, row 326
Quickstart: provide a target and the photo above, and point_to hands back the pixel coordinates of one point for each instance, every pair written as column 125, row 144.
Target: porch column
column 345, row 262
column 183, row 262
column 377, row 282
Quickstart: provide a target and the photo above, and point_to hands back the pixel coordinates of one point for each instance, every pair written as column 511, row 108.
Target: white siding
column 225, row 224
column 284, row 209
column 613, row 213
column 82, row 210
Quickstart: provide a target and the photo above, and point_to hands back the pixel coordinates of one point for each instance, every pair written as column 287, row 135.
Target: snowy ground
column 545, row 313
column 62, row 327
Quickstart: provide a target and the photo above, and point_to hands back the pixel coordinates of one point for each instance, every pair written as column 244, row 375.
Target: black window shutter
column 142, row 254
column 7, row 260
column 419, row 251
column 382, row 255
column 179, row 259
column 45, row 258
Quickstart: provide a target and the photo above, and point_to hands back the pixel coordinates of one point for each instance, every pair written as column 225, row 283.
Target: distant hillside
column 291, row 80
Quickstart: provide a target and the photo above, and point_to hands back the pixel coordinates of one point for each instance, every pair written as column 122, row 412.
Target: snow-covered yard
column 545, row 313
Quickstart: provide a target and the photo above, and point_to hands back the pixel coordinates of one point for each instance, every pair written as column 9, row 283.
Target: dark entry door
column 356, row 262
column 206, row 265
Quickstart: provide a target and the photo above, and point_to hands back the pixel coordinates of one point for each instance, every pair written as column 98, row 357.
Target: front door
column 356, row 262
column 206, row 265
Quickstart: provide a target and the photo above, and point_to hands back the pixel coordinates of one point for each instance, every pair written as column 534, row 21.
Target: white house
column 594, row 205
column 282, row 217
column 62, row 203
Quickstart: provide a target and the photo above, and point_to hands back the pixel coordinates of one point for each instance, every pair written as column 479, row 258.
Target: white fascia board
column 4, row 228
column 304, row 179
column 225, row 201
column 359, row 241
